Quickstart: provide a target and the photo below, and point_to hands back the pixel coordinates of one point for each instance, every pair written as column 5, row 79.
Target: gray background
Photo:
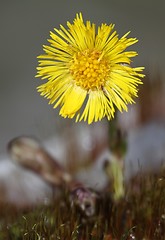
column 24, row 28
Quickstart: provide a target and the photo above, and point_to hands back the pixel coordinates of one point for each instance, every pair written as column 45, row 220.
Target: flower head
column 88, row 71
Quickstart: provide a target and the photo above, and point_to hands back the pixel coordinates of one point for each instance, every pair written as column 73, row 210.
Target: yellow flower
column 88, row 73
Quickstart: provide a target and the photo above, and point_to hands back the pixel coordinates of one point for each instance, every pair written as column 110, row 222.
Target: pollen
column 89, row 69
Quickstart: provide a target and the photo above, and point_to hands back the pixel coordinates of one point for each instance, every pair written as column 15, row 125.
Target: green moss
column 140, row 215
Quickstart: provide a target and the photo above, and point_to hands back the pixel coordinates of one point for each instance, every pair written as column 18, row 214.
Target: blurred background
column 25, row 27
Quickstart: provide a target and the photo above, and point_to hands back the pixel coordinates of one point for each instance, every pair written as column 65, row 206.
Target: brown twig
column 30, row 154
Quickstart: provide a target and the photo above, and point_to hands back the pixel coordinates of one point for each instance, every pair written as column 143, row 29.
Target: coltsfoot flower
column 88, row 71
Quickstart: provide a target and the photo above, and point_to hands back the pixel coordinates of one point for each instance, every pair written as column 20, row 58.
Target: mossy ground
column 139, row 215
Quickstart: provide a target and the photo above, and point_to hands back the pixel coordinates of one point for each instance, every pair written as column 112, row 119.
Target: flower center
column 89, row 69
